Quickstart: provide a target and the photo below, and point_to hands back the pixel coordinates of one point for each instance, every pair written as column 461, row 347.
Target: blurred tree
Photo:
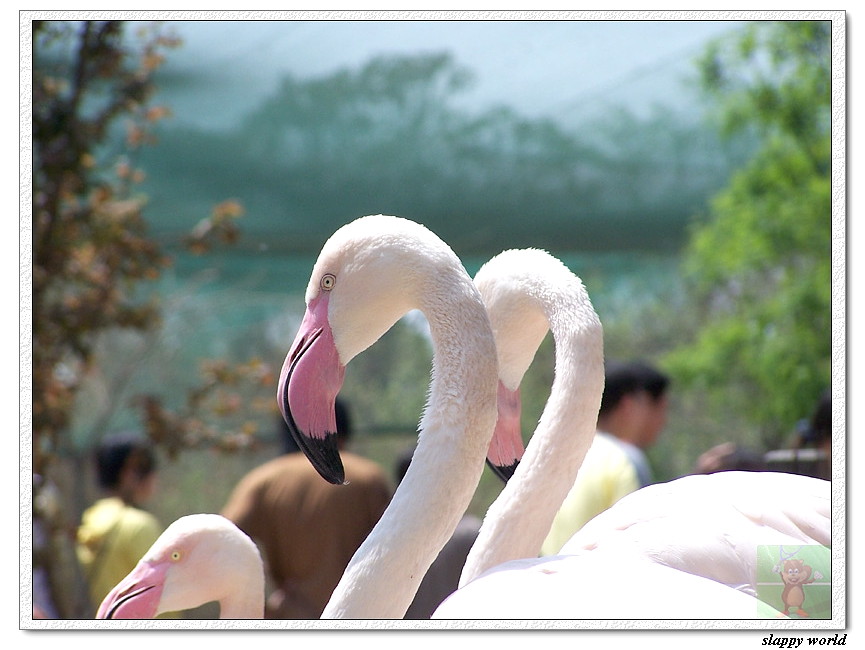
column 392, row 136
column 90, row 246
column 92, row 253
column 759, row 266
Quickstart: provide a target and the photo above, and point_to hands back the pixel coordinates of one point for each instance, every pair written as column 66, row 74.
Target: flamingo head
column 367, row 276
column 519, row 326
column 198, row 559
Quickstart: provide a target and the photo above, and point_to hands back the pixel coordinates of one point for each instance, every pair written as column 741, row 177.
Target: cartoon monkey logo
column 795, row 574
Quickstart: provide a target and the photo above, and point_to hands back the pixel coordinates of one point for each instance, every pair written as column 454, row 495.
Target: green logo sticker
column 796, row 580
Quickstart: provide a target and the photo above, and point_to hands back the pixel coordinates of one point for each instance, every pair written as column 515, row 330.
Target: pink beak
column 506, row 447
column 311, row 377
column 137, row 595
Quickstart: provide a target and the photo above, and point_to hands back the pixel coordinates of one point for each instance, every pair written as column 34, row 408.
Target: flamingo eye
column 175, row 556
column 328, row 280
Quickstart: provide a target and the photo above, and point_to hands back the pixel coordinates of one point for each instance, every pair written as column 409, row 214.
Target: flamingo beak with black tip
column 506, row 447
column 311, row 377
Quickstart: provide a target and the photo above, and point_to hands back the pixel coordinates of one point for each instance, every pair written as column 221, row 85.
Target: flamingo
column 368, row 274
column 527, row 293
column 694, row 536
column 198, row 559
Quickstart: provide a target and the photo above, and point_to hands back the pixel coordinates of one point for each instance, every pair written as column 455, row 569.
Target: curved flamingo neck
column 246, row 601
column 384, row 574
column 519, row 520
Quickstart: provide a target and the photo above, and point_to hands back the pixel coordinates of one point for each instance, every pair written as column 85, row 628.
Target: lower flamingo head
column 506, row 447
column 138, row 594
column 197, row 559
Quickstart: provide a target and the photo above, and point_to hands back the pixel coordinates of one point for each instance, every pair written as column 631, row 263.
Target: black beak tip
column 322, row 453
column 504, row 472
column 326, row 460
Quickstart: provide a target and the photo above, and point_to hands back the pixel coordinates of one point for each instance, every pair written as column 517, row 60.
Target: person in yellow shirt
column 115, row 532
column 632, row 415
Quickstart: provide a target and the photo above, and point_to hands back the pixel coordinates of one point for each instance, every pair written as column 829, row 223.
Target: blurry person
column 729, row 456
column 116, row 531
column 632, row 415
column 306, row 528
column 811, row 451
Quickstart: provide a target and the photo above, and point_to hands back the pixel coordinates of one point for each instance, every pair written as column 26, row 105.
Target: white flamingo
column 198, row 559
column 368, row 274
column 528, row 293
column 673, row 536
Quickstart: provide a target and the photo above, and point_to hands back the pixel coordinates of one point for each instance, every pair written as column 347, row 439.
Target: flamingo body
column 712, row 525
column 687, row 549
column 597, row 585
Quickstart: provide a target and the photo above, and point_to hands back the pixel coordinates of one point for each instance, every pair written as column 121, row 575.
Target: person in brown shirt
column 306, row 528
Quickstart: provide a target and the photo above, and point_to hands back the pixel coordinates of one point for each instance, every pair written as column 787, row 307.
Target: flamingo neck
column 243, row 607
column 383, row 576
column 244, row 600
column 518, row 521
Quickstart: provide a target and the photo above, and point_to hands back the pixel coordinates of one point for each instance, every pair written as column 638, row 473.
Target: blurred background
column 187, row 173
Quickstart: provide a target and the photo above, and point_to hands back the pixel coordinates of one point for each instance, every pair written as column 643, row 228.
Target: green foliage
column 772, row 77
column 759, row 266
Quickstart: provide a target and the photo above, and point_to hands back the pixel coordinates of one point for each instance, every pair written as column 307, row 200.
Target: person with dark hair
column 306, row 528
column 116, row 531
column 817, row 430
column 810, row 453
column 632, row 415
